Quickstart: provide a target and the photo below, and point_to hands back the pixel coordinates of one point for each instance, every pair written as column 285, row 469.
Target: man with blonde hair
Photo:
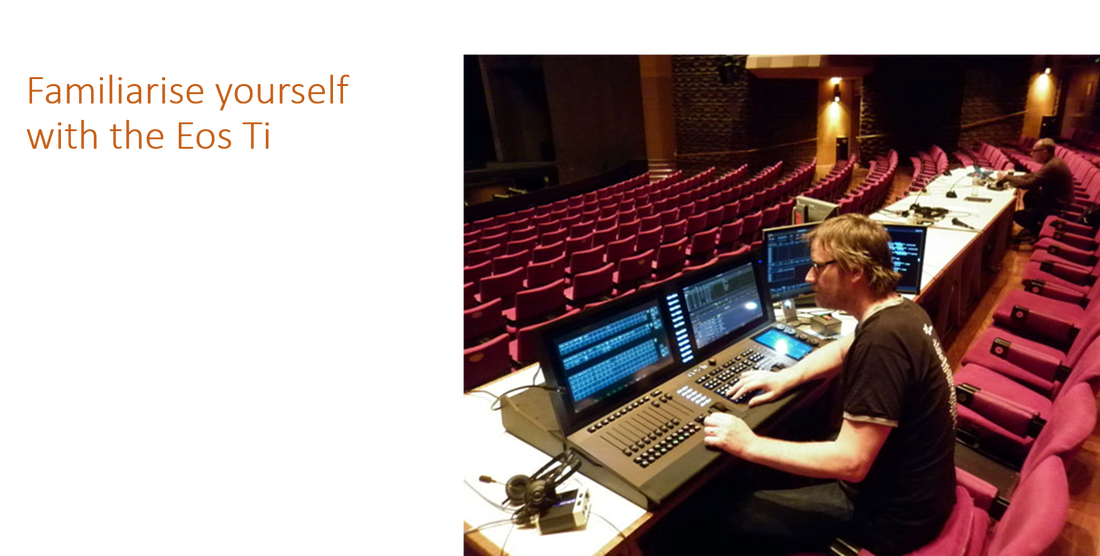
column 889, row 473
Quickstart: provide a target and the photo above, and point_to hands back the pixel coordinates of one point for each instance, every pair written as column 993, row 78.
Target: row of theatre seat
column 926, row 166
column 986, row 156
column 537, row 279
column 870, row 195
column 1027, row 397
column 1086, row 143
column 1020, row 153
column 873, row 192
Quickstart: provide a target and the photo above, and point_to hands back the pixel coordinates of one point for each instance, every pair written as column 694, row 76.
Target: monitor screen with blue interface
column 784, row 344
column 907, row 248
column 610, row 355
column 787, row 260
column 723, row 305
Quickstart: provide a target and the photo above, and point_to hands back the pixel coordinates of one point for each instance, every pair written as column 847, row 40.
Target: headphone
column 536, row 493
column 926, row 212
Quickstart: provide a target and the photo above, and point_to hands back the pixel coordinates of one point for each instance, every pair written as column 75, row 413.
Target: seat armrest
column 1035, row 362
column 1072, row 253
column 1033, row 323
column 982, row 492
column 1010, row 416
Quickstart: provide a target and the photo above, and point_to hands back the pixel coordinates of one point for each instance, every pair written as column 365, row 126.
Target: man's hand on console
column 770, row 386
column 727, row 432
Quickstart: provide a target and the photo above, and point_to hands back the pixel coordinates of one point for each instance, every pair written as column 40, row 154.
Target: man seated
column 1046, row 191
column 886, row 482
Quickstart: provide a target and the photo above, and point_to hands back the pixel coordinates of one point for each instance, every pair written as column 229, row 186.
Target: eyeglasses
column 821, row 266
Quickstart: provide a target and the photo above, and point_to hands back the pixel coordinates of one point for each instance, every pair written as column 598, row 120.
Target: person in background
column 1046, row 191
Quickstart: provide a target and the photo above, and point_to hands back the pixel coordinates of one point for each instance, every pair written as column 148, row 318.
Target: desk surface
column 940, row 248
column 977, row 214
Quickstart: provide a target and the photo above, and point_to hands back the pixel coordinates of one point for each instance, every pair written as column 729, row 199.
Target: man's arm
column 822, row 363
column 849, row 457
column 1020, row 182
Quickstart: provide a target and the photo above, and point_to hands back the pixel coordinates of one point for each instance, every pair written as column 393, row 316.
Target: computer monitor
column 808, row 209
column 786, row 261
column 907, row 247
column 787, row 258
column 723, row 303
column 617, row 349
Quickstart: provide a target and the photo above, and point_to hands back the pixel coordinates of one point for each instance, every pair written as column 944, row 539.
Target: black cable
column 535, row 376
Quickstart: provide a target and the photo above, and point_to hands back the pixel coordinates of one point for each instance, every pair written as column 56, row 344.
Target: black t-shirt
column 896, row 374
column 1054, row 183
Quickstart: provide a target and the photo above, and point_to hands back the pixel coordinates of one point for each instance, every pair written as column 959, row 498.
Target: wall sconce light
column 1046, row 71
column 836, row 92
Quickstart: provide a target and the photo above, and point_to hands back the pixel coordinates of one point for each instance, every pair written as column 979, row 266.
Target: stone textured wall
column 993, row 86
column 911, row 103
column 917, row 101
column 741, row 114
column 595, row 113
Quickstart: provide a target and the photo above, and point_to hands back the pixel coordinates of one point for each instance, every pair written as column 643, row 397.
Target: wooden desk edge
column 479, row 543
